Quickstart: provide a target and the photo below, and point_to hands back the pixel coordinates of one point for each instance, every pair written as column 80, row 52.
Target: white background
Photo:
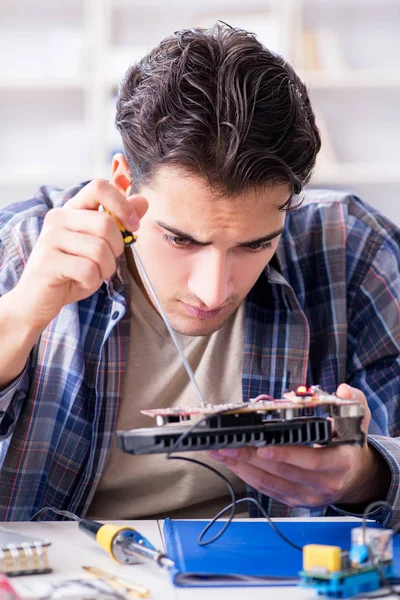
column 61, row 63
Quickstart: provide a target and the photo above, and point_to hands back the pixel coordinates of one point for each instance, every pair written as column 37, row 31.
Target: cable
column 63, row 513
column 383, row 579
column 263, row 512
column 175, row 448
column 235, row 501
column 232, row 505
column 370, row 508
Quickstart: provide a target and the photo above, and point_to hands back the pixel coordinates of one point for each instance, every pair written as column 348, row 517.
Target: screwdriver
column 129, row 241
column 126, row 587
column 124, row 544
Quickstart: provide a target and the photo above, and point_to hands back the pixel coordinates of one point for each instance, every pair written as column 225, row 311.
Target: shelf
column 195, row 8
column 345, row 3
column 350, row 173
column 61, row 127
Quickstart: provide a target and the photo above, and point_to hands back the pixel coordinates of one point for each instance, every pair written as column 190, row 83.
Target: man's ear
column 120, row 175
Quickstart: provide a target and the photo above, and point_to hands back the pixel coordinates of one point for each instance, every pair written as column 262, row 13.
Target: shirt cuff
column 7, row 395
column 389, row 449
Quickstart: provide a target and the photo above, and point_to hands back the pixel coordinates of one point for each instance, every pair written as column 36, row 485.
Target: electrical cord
column 235, row 502
column 175, row 448
column 264, row 514
column 63, row 513
column 383, row 579
column 232, row 507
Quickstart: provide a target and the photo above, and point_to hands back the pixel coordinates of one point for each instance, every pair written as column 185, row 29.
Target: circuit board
column 306, row 416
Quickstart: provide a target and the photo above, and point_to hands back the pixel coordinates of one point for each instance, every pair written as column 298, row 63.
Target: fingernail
column 215, row 455
column 266, row 453
column 133, row 221
column 232, row 452
column 354, row 394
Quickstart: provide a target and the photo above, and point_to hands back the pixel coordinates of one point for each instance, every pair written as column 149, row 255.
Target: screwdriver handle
column 128, row 237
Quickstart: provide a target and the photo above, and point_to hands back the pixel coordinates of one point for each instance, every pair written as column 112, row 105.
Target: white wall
column 64, row 60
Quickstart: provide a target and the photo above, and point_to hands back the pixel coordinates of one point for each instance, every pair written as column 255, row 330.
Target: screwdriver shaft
column 135, row 549
column 167, row 324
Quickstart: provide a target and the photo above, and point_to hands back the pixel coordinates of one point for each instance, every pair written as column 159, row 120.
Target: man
column 219, row 139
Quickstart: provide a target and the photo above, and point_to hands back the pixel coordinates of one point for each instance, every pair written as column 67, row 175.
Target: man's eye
column 259, row 247
column 175, row 240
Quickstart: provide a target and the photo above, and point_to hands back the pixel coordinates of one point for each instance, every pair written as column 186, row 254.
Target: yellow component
column 106, row 534
column 127, row 235
column 317, row 557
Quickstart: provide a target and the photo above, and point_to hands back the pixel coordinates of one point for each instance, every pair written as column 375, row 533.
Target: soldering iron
column 124, row 544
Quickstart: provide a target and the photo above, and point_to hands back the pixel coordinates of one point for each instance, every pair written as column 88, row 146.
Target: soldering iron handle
column 90, row 527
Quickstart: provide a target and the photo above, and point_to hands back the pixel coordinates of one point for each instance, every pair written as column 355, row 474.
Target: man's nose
column 211, row 280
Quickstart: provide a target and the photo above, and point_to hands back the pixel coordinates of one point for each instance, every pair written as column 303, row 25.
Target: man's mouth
column 199, row 313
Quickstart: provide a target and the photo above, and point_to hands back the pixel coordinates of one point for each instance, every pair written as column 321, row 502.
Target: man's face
column 203, row 252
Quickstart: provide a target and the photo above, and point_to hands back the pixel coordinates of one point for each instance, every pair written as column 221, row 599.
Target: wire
column 370, row 508
column 263, row 512
column 235, row 502
column 232, row 507
column 383, row 579
column 175, row 448
column 63, row 513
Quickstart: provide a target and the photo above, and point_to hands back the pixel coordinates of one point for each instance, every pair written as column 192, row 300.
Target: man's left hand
column 313, row 477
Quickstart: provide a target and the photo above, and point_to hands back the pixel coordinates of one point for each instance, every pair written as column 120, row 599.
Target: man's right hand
column 75, row 252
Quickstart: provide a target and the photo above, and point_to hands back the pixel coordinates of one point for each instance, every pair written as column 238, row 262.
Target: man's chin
column 198, row 327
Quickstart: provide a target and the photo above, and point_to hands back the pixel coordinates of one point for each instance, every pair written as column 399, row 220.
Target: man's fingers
column 273, row 485
column 100, row 192
column 279, row 469
column 90, row 247
column 346, row 392
column 332, row 459
column 96, row 224
column 309, row 459
column 139, row 204
column 82, row 271
column 298, row 473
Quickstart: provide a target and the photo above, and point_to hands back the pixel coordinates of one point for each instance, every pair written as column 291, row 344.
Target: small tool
column 124, row 544
column 119, row 584
column 129, row 240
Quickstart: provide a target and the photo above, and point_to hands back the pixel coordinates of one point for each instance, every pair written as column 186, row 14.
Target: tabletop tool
column 129, row 241
column 119, row 584
column 124, row 544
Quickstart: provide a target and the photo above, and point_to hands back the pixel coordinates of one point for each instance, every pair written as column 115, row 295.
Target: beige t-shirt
column 152, row 486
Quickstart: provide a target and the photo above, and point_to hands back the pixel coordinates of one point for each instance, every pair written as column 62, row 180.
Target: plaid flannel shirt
column 325, row 311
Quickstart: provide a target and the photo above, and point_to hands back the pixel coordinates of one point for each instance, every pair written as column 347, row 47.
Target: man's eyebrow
column 189, row 238
column 182, row 234
column 266, row 238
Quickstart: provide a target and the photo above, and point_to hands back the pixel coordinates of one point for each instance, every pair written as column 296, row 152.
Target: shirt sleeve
column 11, row 400
column 11, row 265
column 374, row 360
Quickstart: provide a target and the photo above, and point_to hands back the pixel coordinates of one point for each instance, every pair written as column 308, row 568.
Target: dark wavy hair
column 216, row 103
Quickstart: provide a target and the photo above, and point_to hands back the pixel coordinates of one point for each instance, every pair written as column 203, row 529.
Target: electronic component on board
column 338, row 573
column 300, row 417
